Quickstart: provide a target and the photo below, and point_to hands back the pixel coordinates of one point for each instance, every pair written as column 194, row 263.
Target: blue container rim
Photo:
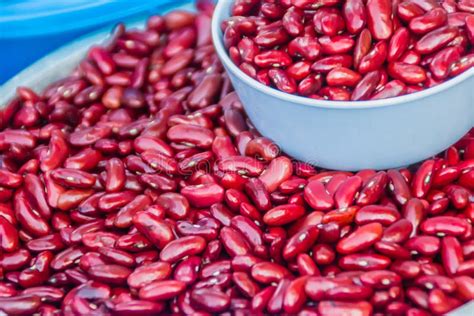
column 26, row 18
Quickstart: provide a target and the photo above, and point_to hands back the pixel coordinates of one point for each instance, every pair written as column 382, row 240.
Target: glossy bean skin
column 327, row 33
column 137, row 185
column 379, row 19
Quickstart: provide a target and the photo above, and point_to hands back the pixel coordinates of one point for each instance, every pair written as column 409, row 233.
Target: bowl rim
column 219, row 15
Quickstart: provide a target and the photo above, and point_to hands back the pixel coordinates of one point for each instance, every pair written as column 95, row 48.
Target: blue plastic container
column 30, row 29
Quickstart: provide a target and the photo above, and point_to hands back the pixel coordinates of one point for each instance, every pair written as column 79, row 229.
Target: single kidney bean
column 295, row 297
column 153, row 228
column 317, row 197
column 398, row 232
column 451, row 254
column 365, row 262
column 374, row 58
column 360, row 239
column 444, row 225
column 429, row 21
column 283, row 214
column 398, row 44
column 414, row 211
column 342, row 77
column 161, row 290
column 379, row 18
column 21, row 304
column 10, row 239
column 435, row 40
column 210, row 299
column 426, row 245
column 355, row 15
column 324, row 65
column 384, row 215
column 182, row 247
column 306, row 47
column 203, row 195
column 300, row 242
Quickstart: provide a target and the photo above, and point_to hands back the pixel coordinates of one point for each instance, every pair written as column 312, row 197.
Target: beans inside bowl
column 137, row 185
column 353, row 49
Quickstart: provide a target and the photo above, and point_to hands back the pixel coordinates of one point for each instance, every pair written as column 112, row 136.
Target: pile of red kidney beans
column 137, row 186
column 351, row 49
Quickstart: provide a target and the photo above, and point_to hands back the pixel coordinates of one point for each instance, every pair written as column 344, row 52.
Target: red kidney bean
column 362, row 46
column 300, row 242
column 384, row 215
column 426, row 245
column 21, row 304
column 345, row 194
column 147, row 274
column 242, row 165
column 464, row 287
column 398, row 232
column 295, row 297
column 406, row 269
column 409, row 74
column 374, row 58
column 429, row 21
column 73, row 178
column 275, row 304
column 154, row 228
column 392, row 250
column 28, row 217
column 360, row 239
column 184, row 246
column 282, row 81
column 435, row 40
column 436, row 281
column 307, row 47
column 355, row 15
column 316, row 287
column 139, row 307
column 342, row 77
column 438, row 302
column 379, row 18
column 341, row 217
column 365, row 262
column 268, row 272
column 283, row 214
column 350, row 292
column 245, row 284
column 272, row 59
column 328, row 63
column 451, row 254
column 203, row 195
column 398, row 44
column 210, row 299
column 408, row 10
column 192, row 134
column 339, row 44
column 444, row 225
column 161, row 290
column 414, row 211
column 10, row 239
column 306, row 265
column 262, row 148
column 317, row 197
column 187, row 270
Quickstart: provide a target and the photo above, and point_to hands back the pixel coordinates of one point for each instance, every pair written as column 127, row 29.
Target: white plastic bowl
column 377, row 134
